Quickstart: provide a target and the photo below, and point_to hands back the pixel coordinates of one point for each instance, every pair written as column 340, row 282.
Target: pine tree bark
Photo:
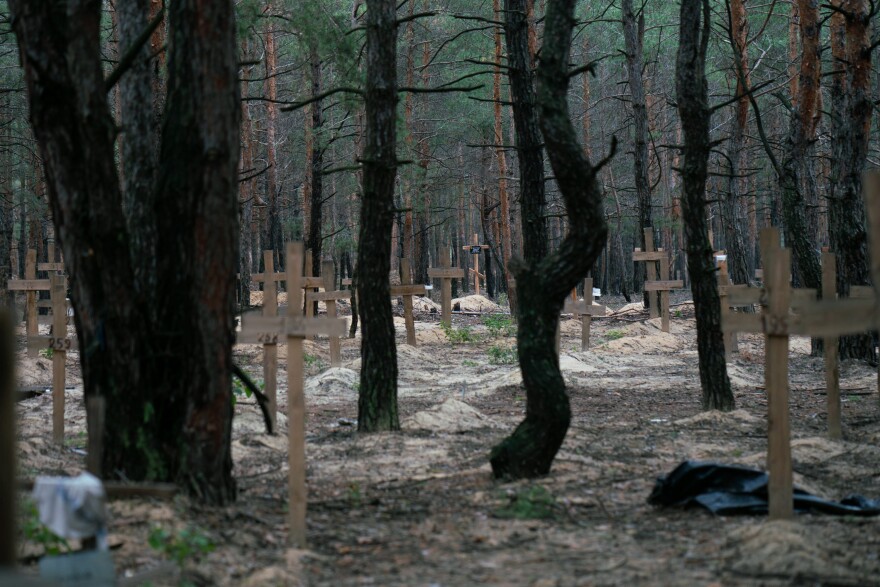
column 377, row 397
column 633, row 34
column 851, row 122
column 544, row 282
column 693, row 108
column 272, row 239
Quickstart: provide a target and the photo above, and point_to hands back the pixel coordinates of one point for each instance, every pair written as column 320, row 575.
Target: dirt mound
column 427, row 305
column 788, row 549
column 332, row 384
column 450, row 416
column 659, row 342
column 476, row 303
column 714, row 418
column 631, row 308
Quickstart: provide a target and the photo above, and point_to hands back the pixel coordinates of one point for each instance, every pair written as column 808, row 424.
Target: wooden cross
column 329, row 297
column 730, row 340
column 59, row 343
column 476, row 249
column 586, row 310
column 446, row 273
column 650, row 257
column 295, row 327
column 664, row 285
column 408, row 290
column 31, row 285
column 270, row 280
column 824, row 318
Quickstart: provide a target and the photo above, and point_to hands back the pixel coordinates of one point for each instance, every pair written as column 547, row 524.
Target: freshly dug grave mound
column 475, row 303
column 426, row 305
column 451, row 416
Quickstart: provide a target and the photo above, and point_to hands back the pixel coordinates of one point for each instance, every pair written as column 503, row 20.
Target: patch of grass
column 312, row 361
column 189, row 543
column 614, row 334
column 499, row 325
column 46, row 353
column 502, row 355
column 677, row 314
column 34, row 531
column 459, row 335
column 531, row 503
column 469, row 363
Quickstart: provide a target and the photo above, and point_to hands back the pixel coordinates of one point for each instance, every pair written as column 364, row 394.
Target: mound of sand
column 713, row 418
column 426, row 305
column 788, row 549
column 450, row 416
column 476, row 303
column 631, row 308
column 337, row 382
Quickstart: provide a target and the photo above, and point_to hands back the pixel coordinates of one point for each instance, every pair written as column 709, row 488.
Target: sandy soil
column 420, row 507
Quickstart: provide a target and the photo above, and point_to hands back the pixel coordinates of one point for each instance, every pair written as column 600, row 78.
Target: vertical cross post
column 406, row 279
column 446, row 274
column 30, row 273
column 587, row 318
column 777, row 271
column 476, row 267
column 58, row 285
column 652, row 272
column 296, row 408
column 328, row 271
column 664, row 295
column 730, row 340
column 832, row 367
column 270, row 280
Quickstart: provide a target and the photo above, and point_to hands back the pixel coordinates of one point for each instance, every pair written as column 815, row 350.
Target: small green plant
column 678, row 314
column 502, row 355
column 460, row 335
column 311, row 360
column 499, row 325
column 47, row 353
column 35, row 531
column 189, row 543
column 531, row 503
column 354, row 494
column 614, row 334
column 469, row 363
column 239, row 389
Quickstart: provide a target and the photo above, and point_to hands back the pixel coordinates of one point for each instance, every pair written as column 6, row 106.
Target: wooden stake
column 476, row 249
column 832, row 367
column 652, row 272
column 406, row 275
column 664, row 295
column 328, row 271
column 777, row 264
column 446, row 274
column 270, row 349
column 59, row 355
column 586, row 318
column 96, row 409
column 30, row 272
column 296, row 409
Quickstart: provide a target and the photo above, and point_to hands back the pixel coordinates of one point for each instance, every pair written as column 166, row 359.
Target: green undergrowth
column 529, row 503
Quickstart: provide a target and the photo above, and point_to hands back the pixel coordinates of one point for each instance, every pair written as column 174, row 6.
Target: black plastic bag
column 729, row 490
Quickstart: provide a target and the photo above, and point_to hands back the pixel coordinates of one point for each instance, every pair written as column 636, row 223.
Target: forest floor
column 420, row 507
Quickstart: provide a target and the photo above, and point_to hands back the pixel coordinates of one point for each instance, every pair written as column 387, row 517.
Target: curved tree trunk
column 693, row 108
column 544, row 282
column 377, row 398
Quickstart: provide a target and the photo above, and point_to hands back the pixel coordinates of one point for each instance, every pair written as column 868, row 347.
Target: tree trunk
column 167, row 381
column 501, row 156
column 851, row 121
column 633, row 34
column 140, row 142
column 739, row 259
column 693, row 108
column 377, row 398
column 315, row 237
column 272, row 239
column 545, row 282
